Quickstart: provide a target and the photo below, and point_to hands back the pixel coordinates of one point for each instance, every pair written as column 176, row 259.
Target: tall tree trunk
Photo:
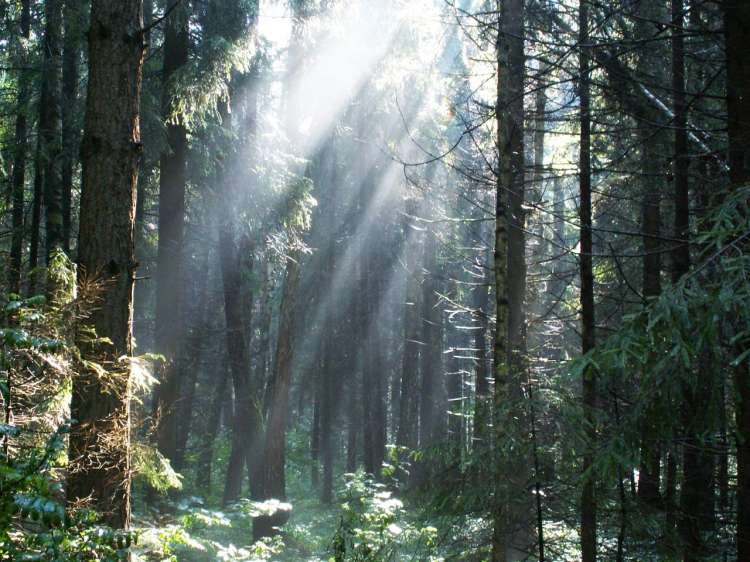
column 36, row 218
column 100, row 439
column 696, row 461
column 243, row 426
column 407, row 414
column 650, row 139
column 509, row 185
column 274, row 449
column 588, row 497
column 49, row 124
column 737, row 29
column 18, row 181
column 432, row 339
column 191, row 362
column 73, row 35
column 172, row 182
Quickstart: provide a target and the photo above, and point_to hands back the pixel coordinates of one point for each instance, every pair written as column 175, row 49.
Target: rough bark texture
column 18, row 179
column 50, row 123
column 100, row 441
column 509, row 184
column 169, row 281
column 73, row 36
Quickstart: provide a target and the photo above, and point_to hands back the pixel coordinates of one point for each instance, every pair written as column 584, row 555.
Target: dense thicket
column 375, row 280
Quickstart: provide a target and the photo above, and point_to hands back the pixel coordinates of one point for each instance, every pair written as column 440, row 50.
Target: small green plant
column 374, row 526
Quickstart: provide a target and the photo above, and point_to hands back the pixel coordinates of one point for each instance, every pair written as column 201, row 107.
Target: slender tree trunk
column 588, row 497
column 172, row 183
column 407, row 420
column 49, row 124
column 213, row 423
column 650, row 140
column 110, row 151
column 695, row 459
column 315, row 437
column 18, row 181
column 36, row 218
column 191, row 362
column 73, row 30
column 327, row 417
column 432, row 351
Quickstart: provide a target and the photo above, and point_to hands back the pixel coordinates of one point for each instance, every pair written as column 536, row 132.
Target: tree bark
column 172, row 184
column 509, row 185
column 100, row 440
column 73, row 35
column 18, row 180
column 274, row 450
column 408, row 412
column 588, row 497
column 50, row 123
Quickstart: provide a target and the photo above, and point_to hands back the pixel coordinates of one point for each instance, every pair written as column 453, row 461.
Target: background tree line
column 486, row 257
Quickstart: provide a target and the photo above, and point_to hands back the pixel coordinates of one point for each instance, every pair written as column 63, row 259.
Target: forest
column 375, row 280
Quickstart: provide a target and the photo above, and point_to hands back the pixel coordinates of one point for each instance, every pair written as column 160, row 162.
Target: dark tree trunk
column 49, row 124
column 327, row 413
column 73, row 28
column 482, row 411
column 588, row 497
column 650, row 141
column 274, row 450
column 36, row 218
column 509, row 185
column 407, row 413
column 315, row 437
column 211, row 430
column 737, row 29
column 110, row 151
column 432, row 348
column 169, row 281
column 191, row 362
column 696, row 460
column 18, row 181
column 244, row 423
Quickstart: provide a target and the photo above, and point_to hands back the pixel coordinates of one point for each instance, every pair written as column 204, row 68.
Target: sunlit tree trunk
column 100, row 440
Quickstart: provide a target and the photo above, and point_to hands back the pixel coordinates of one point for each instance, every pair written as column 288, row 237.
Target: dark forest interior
column 375, row 280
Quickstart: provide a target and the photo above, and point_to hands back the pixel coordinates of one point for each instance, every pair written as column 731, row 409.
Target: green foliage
column 35, row 346
column 374, row 527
